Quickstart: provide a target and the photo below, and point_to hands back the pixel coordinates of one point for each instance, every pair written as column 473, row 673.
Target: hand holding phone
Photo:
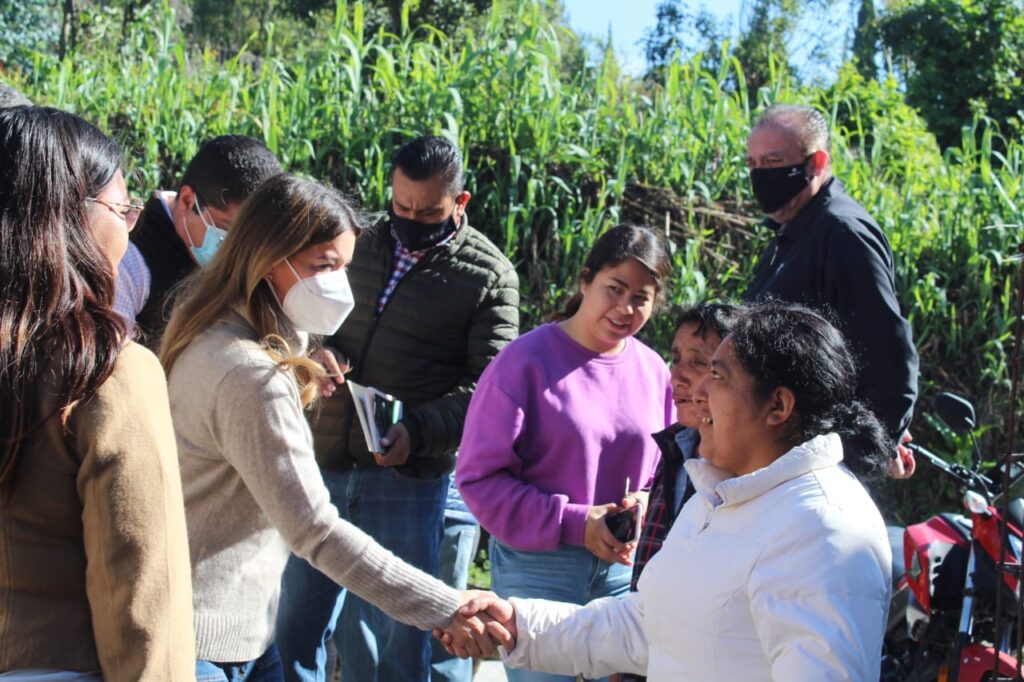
column 625, row 525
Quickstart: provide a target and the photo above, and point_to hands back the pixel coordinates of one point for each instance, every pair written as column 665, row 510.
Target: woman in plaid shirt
column 699, row 330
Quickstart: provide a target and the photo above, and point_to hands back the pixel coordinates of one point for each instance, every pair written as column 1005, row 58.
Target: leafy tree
column 26, row 26
column 665, row 39
column 680, row 31
column 865, row 40
column 769, row 36
column 228, row 24
column 957, row 57
column 766, row 39
column 446, row 15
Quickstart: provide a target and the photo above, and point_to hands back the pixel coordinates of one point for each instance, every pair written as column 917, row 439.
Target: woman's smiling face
column 691, row 362
column 734, row 422
column 616, row 304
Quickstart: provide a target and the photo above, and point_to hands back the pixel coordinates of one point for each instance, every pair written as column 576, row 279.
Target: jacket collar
column 671, row 454
column 158, row 236
column 677, row 444
column 806, row 218
column 687, row 440
column 718, row 487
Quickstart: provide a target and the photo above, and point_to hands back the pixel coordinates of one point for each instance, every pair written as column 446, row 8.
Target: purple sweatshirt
column 554, row 429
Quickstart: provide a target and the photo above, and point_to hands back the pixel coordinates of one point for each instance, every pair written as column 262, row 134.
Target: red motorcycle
column 948, row 620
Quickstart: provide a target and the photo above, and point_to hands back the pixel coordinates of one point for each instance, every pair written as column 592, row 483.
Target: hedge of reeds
column 552, row 152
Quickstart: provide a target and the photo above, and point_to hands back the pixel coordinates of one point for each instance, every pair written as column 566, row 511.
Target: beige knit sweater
column 253, row 490
column 93, row 567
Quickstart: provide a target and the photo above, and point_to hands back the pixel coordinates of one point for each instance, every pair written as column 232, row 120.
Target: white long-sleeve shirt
column 782, row 574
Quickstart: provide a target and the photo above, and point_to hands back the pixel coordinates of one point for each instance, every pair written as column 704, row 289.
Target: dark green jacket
column 448, row 317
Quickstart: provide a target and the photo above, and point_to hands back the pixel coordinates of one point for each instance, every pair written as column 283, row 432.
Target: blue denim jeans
column 569, row 574
column 458, row 547
column 403, row 514
column 266, row 668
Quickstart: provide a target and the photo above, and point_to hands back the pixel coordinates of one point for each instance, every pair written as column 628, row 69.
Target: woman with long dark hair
column 94, row 574
column 561, row 422
column 778, row 568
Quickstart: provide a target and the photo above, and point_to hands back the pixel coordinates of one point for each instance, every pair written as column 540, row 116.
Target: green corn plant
column 551, row 155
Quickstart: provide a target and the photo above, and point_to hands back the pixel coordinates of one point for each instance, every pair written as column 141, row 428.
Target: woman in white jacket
column 779, row 568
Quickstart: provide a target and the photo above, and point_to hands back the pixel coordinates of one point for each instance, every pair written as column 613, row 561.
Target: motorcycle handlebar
column 969, row 478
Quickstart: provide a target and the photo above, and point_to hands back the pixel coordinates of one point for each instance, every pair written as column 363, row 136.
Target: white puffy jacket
column 782, row 574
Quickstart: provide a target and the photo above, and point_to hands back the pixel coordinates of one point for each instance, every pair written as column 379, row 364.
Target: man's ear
column 781, row 404
column 818, row 162
column 461, row 199
column 185, row 200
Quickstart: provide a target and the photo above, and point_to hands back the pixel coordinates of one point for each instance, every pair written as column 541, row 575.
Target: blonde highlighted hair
column 283, row 216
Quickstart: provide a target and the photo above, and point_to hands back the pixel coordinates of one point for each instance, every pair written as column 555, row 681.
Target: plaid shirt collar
column 406, row 260
column 677, row 444
column 402, row 252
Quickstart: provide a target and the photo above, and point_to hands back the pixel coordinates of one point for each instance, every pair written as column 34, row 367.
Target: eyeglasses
column 210, row 224
column 127, row 212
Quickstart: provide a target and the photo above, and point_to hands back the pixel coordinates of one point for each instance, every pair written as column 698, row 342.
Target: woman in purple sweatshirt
column 560, row 421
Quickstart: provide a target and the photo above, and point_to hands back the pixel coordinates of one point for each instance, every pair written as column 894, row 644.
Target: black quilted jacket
column 444, row 322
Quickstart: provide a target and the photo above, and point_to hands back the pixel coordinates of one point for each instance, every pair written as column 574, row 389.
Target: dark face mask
column 417, row 236
column 774, row 187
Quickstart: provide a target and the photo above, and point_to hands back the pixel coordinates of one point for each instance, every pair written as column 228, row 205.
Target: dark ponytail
column 867, row 447
column 616, row 246
column 782, row 344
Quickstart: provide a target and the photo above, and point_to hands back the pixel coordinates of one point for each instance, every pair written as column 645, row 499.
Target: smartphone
column 625, row 526
column 386, row 413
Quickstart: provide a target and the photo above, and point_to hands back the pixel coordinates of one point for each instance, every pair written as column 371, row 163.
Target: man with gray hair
column 10, row 98
column 435, row 301
column 829, row 254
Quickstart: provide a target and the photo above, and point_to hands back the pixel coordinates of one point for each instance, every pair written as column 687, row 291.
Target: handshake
column 482, row 624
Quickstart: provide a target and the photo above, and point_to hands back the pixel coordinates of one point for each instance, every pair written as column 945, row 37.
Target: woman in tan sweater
column 94, row 574
column 239, row 377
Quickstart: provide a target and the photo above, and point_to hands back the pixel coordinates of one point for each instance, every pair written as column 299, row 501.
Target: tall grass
column 550, row 154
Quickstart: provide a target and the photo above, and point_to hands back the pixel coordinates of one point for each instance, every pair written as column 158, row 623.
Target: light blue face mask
column 205, row 252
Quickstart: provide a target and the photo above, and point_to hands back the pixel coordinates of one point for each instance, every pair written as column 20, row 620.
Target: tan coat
column 94, row 565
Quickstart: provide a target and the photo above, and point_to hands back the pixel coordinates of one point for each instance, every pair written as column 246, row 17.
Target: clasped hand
column 482, row 624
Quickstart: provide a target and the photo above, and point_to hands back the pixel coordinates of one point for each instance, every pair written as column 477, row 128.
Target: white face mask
column 319, row 304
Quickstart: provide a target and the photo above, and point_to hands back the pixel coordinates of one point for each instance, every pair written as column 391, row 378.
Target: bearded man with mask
column 829, row 254
column 435, row 301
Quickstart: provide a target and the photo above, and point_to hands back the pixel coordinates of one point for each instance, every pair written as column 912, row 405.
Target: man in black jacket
column 829, row 254
column 178, row 232
column 435, row 302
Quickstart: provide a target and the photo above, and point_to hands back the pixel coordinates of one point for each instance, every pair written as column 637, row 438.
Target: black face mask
column 774, row 187
column 417, row 236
